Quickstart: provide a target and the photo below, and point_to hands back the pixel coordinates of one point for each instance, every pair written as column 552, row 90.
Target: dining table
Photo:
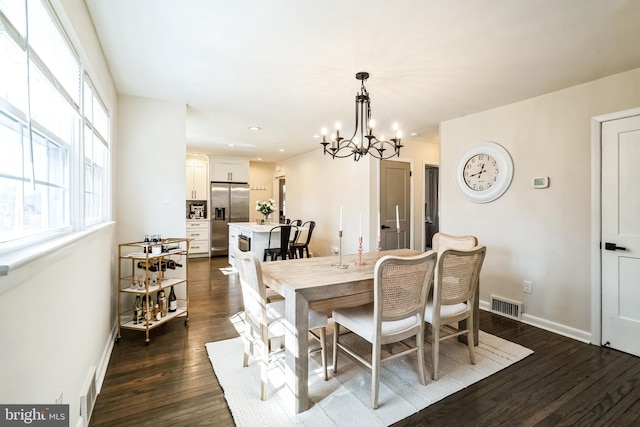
column 320, row 283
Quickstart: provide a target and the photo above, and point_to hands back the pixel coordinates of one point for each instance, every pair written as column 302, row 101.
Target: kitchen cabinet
column 198, row 232
column 230, row 172
column 197, row 187
column 145, row 271
column 257, row 234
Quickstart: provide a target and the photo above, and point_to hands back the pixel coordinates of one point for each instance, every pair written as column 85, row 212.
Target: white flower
column 266, row 207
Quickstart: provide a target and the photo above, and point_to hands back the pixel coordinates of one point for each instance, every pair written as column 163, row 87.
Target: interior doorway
column 282, row 198
column 431, row 218
column 395, row 204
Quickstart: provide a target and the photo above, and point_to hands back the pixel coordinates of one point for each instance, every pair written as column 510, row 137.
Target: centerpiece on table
column 266, row 208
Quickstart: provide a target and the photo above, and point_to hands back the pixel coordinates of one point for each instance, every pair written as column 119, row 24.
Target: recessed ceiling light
column 231, row 145
column 415, row 134
column 282, row 149
column 255, row 128
column 316, row 136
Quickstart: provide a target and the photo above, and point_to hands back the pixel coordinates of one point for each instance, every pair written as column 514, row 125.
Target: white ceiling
column 289, row 66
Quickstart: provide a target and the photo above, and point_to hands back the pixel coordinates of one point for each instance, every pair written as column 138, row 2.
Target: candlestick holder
column 360, row 261
column 340, row 264
column 398, row 232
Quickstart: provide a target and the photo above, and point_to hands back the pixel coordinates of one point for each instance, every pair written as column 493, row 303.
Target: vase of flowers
column 266, row 208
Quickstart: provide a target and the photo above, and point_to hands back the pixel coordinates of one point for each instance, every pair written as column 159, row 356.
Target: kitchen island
column 257, row 234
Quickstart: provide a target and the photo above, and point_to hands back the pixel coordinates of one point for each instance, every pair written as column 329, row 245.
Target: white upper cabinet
column 232, row 172
column 197, row 182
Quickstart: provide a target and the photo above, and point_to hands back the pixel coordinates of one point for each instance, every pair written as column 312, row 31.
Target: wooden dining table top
column 318, row 279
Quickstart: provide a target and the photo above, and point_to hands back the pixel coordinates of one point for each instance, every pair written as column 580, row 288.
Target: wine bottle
column 137, row 310
column 173, row 301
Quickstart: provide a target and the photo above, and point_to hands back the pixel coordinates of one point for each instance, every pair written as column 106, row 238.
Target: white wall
column 537, row 235
column 316, row 188
column 318, row 185
column 58, row 323
column 57, row 320
column 151, row 180
column 261, row 183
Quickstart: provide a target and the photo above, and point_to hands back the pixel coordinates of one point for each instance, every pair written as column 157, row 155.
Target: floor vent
column 88, row 396
column 506, row 308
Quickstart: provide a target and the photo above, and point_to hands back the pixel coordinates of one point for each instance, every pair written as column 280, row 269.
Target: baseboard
column 101, row 368
column 548, row 325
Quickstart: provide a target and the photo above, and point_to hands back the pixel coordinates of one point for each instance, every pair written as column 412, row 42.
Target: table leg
column 297, row 348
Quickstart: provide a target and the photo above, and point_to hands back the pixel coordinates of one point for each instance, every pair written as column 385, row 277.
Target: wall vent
column 505, row 307
column 88, row 397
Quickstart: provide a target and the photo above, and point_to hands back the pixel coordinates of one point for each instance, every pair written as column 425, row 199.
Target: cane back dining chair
column 400, row 291
column 454, row 294
column 442, row 241
column 264, row 321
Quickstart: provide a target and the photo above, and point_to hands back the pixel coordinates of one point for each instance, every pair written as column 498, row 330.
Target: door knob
column 613, row 247
column 385, row 226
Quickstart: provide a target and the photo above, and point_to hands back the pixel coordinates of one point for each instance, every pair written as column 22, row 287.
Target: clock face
column 481, row 172
column 484, row 172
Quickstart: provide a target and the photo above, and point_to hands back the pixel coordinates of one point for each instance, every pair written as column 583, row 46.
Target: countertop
column 253, row 227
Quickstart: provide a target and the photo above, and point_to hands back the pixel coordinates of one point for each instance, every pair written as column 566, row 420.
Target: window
column 54, row 129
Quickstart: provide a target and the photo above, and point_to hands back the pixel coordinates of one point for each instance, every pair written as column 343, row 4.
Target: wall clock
column 484, row 172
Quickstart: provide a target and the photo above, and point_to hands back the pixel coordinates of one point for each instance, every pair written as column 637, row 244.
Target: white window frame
column 20, row 250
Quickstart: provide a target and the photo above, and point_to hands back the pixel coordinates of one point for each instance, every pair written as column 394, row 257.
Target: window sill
column 17, row 260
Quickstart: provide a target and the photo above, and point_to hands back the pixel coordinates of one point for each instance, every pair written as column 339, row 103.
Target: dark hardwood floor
column 170, row 382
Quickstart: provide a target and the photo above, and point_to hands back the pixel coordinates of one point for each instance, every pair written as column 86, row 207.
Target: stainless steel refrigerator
column 229, row 202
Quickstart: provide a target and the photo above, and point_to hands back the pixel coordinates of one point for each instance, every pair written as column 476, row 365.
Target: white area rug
column 346, row 397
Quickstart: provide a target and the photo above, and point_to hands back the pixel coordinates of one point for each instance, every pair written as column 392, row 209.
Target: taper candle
column 340, row 218
column 397, row 218
column 360, row 226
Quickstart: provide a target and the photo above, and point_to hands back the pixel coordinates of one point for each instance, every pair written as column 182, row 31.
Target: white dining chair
column 265, row 321
column 454, row 293
column 400, row 288
column 442, row 241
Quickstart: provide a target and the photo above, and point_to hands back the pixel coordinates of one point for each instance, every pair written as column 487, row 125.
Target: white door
column 621, row 234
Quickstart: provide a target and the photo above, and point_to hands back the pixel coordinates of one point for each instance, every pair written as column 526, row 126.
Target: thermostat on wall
column 542, row 182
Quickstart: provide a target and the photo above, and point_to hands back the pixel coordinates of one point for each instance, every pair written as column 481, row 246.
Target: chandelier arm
column 350, row 148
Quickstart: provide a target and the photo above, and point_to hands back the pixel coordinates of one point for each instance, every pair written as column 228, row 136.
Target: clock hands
column 482, row 169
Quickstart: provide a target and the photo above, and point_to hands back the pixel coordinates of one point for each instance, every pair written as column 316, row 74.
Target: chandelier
column 356, row 145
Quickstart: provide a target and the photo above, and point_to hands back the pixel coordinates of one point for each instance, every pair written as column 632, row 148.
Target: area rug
column 346, row 396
